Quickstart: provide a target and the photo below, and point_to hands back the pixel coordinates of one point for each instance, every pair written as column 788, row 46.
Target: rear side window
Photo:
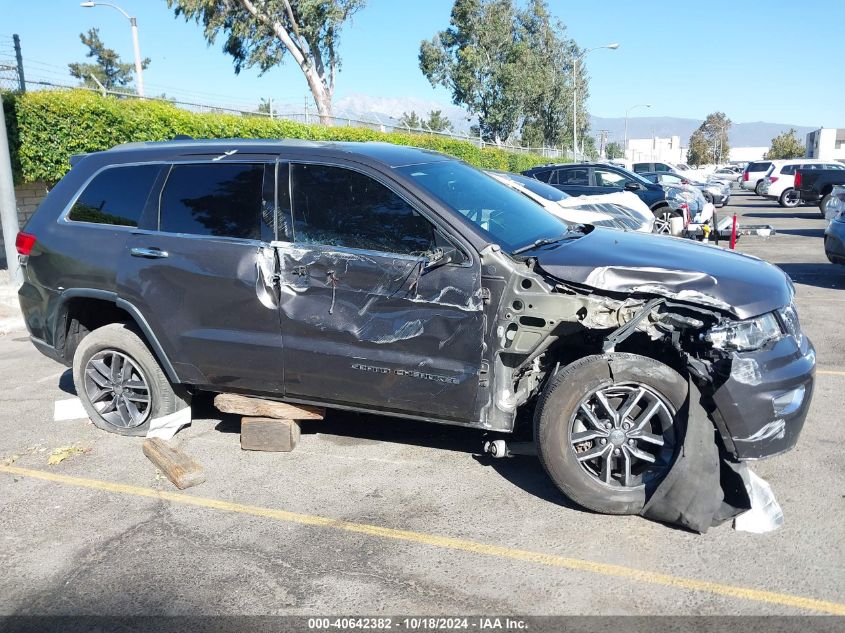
column 640, row 168
column 335, row 206
column 575, row 176
column 115, row 196
column 219, row 200
column 549, row 176
column 764, row 166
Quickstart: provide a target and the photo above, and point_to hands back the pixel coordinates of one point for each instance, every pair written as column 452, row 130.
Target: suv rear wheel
column 120, row 383
column 603, row 435
column 759, row 188
column 789, row 198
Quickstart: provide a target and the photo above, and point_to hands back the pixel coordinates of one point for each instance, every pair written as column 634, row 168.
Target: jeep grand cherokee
column 399, row 281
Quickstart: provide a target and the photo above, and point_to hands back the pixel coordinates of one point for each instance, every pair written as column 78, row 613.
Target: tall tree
column 786, row 145
column 481, row 59
column 614, row 150
column 699, row 152
column 261, row 32
column 410, row 120
column 109, row 70
column 709, row 143
column 548, row 77
column 438, row 122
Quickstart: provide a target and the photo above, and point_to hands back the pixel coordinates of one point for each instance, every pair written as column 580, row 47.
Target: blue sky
column 687, row 58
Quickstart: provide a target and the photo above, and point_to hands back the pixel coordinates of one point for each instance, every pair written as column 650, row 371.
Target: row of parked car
column 776, row 179
column 805, row 181
column 667, row 199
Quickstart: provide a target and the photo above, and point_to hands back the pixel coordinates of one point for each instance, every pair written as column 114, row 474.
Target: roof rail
column 183, row 137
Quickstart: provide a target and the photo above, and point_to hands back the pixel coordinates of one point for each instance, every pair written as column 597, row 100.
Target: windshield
column 632, row 176
column 510, row 219
column 540, row 188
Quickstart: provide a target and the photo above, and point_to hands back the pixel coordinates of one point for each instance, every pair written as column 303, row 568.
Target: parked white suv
column 752, row 177
column 779, row 182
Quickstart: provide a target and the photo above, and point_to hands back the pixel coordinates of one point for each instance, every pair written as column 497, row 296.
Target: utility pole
column 8, row 207
column 602, row 142
column 19, row 60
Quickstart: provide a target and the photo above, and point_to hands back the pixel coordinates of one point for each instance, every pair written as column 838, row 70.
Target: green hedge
column 48, row 127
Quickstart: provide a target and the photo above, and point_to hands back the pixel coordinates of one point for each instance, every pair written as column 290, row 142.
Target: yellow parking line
column 445, row 542
column 830, row 372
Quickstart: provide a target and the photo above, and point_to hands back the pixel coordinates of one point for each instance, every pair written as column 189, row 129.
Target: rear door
column 364, row 323
column 204, row 279
column 573, row 180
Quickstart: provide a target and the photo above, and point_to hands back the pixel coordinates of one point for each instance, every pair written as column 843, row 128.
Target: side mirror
column 439, row 257
column 632, row 186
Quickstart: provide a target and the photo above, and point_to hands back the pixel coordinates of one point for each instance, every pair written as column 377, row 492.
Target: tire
column 662, row 215
column 708, row 197
column 93, row 363
column 558, row 416
column 823, row 205
column 789, row 199
column 759, row 188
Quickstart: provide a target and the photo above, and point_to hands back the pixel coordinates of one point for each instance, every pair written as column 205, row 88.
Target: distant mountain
column 389, row 110
column 758, row 134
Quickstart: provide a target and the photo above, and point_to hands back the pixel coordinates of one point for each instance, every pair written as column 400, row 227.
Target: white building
column 655, row 149
column 826, row 143
column 747, row 154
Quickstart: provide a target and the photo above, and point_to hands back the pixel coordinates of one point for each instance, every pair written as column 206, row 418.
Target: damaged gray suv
column 398, row 281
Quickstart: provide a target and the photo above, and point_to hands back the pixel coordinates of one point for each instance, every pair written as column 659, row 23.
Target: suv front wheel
column 120, row 383
column 607, row 428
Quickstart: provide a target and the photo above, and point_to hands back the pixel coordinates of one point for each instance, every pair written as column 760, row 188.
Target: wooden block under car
column 178, row 467
column 260, row 408
column 269, row 434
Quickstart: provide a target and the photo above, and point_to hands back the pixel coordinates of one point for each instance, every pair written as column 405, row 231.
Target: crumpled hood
column 620, row 261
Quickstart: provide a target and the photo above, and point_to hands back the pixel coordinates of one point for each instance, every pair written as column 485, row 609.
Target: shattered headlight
column 744, row 336
column 789, row 318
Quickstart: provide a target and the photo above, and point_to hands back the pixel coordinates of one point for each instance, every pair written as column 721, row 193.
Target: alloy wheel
column 624, row 435
column 662, row 223
column 117, row 389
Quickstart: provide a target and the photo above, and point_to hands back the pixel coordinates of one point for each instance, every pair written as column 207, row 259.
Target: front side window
column 608, row 178
column 219, row 200
column 335, row 206
column 116, row 196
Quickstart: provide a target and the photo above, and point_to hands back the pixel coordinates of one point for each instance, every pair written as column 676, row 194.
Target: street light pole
column 580, row 57
column 639, row 105
column 139, row 70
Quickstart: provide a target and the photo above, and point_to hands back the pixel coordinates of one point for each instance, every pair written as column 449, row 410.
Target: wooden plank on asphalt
column 258, row 407
column 178, row 467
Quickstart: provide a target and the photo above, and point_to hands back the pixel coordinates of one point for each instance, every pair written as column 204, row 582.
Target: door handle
column 149, row 253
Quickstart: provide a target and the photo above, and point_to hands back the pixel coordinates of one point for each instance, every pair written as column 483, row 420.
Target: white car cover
column 616, row 209
column 625, row 198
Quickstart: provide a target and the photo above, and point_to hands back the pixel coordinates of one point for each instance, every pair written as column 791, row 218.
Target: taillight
column 24, row 243
column 773, row 179
column 797, row 179
column 745, row 176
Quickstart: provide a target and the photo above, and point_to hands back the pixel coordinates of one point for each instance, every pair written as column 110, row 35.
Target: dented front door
column 369, row 328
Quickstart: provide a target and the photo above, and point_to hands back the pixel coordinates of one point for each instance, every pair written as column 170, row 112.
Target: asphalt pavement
column 373, row 515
